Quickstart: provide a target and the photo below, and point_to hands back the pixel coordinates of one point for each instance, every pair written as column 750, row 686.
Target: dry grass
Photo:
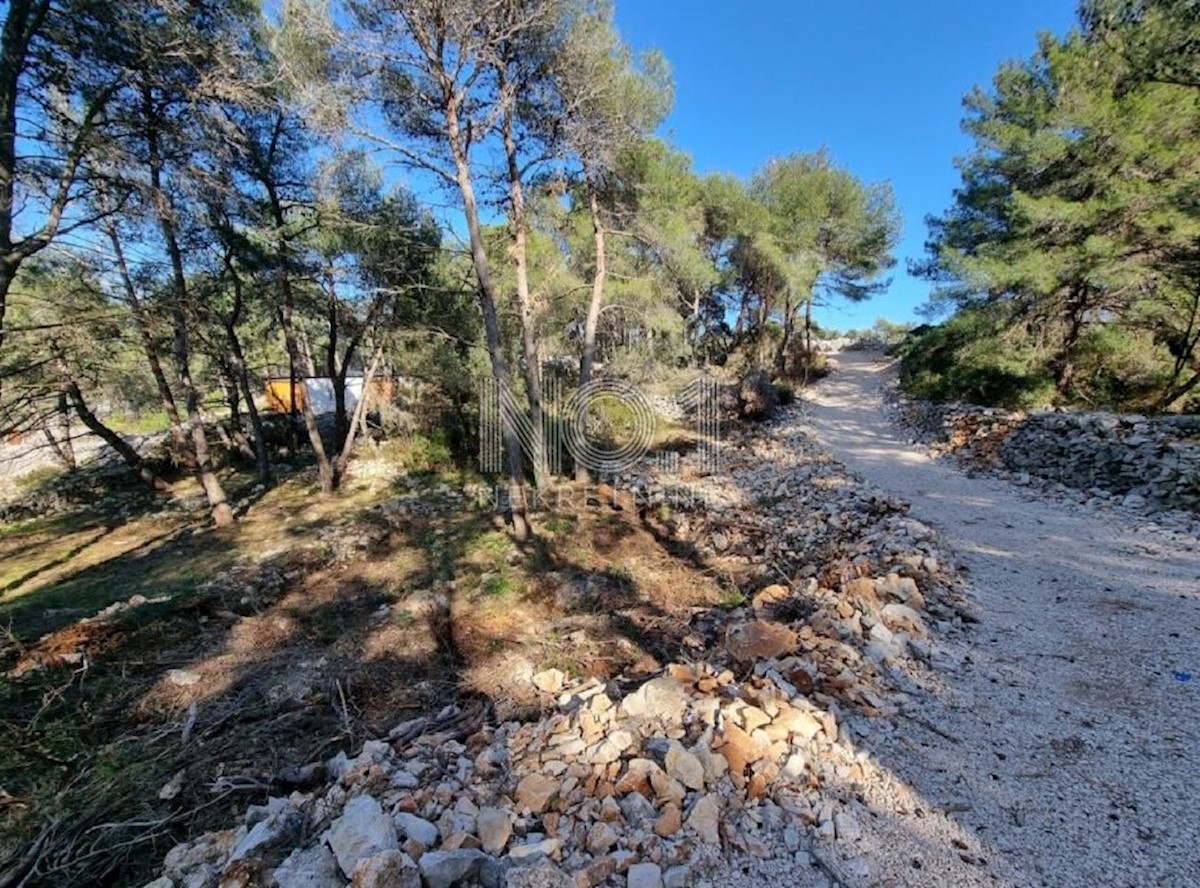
column 271, row 645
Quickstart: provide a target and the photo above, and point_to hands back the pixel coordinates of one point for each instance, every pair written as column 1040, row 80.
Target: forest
column 265, row 268
column 213, row 199
column 1069, row 256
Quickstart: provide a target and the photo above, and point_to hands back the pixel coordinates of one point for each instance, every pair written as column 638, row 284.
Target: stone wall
column 1148, row 461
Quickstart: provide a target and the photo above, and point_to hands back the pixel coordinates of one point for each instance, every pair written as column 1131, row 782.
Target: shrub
column 1119, row 368
column 978, row 357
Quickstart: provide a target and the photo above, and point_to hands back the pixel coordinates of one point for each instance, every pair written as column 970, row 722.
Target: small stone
column 677, row 877
column 754, row 718
column 544, row 875
column 714, row 763
column 846, row 826
column 638, row 809
column 595, row 872
column 903, row 618
column 442, row 869
column 281, row 827
column 669, row 822
column 550, row 681
column 391, row 869
column 417, row 829
column 667, row 789
column 494, row 827
column 535, row 791
column 245, row 873
column 759, row 640
column 624, row 860
column 610, row 748
column 534, row 850
column 309, row 868
column 684, row 767
column 601, row 838
column 799, row 723
column 681, row 673
column 740, row 749
column 636, row 777
column 793, row 768
column 644, row 875
column 704, row 819
column 660, row 698
column 363, row 830
column 769, row 596
column 460, row 840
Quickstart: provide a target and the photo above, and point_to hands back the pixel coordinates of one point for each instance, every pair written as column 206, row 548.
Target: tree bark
column 241, row 376
column 789, row 324
column 238, row 364
column 22, row 22
column 591, row 323
column 808, row 347
column 222, row 514
column 122, row 448
column 600, row 272
column 233, row 396
column 360, row 410
column 310, row 366
column 60, row 441
column 335, row 369
column 291, row 341
column 1065, row 361
column 142, row 322
column 491, row 324
column 324, row 470
column 531, row 363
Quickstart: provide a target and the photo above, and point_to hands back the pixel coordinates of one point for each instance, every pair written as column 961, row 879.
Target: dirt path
column 1071, row 744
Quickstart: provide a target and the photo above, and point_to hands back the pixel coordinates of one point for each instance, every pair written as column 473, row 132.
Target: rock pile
column 652, row 787
column 747, row 751
column 1148, row 464
column 1156, row 461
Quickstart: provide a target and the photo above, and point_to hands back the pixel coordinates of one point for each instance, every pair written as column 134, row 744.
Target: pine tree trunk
column 335, row 370
column 142, row 322
column 238, row 362
column 222, row 514
column 808, row 346
column 1065, row 361
column 785, row 339
column 360, row 411
column 60, row 441
column 592, row 321
column 291, row 341
column 491, row 324
column 324, row 470
column 122, row 448
column 241, row 376
column 531, row 366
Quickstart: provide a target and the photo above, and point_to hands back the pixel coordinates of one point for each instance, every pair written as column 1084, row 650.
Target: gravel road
column 1064, row 747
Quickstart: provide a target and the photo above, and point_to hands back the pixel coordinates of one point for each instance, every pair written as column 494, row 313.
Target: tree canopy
column 1075, row 229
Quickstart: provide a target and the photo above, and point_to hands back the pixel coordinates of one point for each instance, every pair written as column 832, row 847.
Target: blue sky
column 879, row 82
